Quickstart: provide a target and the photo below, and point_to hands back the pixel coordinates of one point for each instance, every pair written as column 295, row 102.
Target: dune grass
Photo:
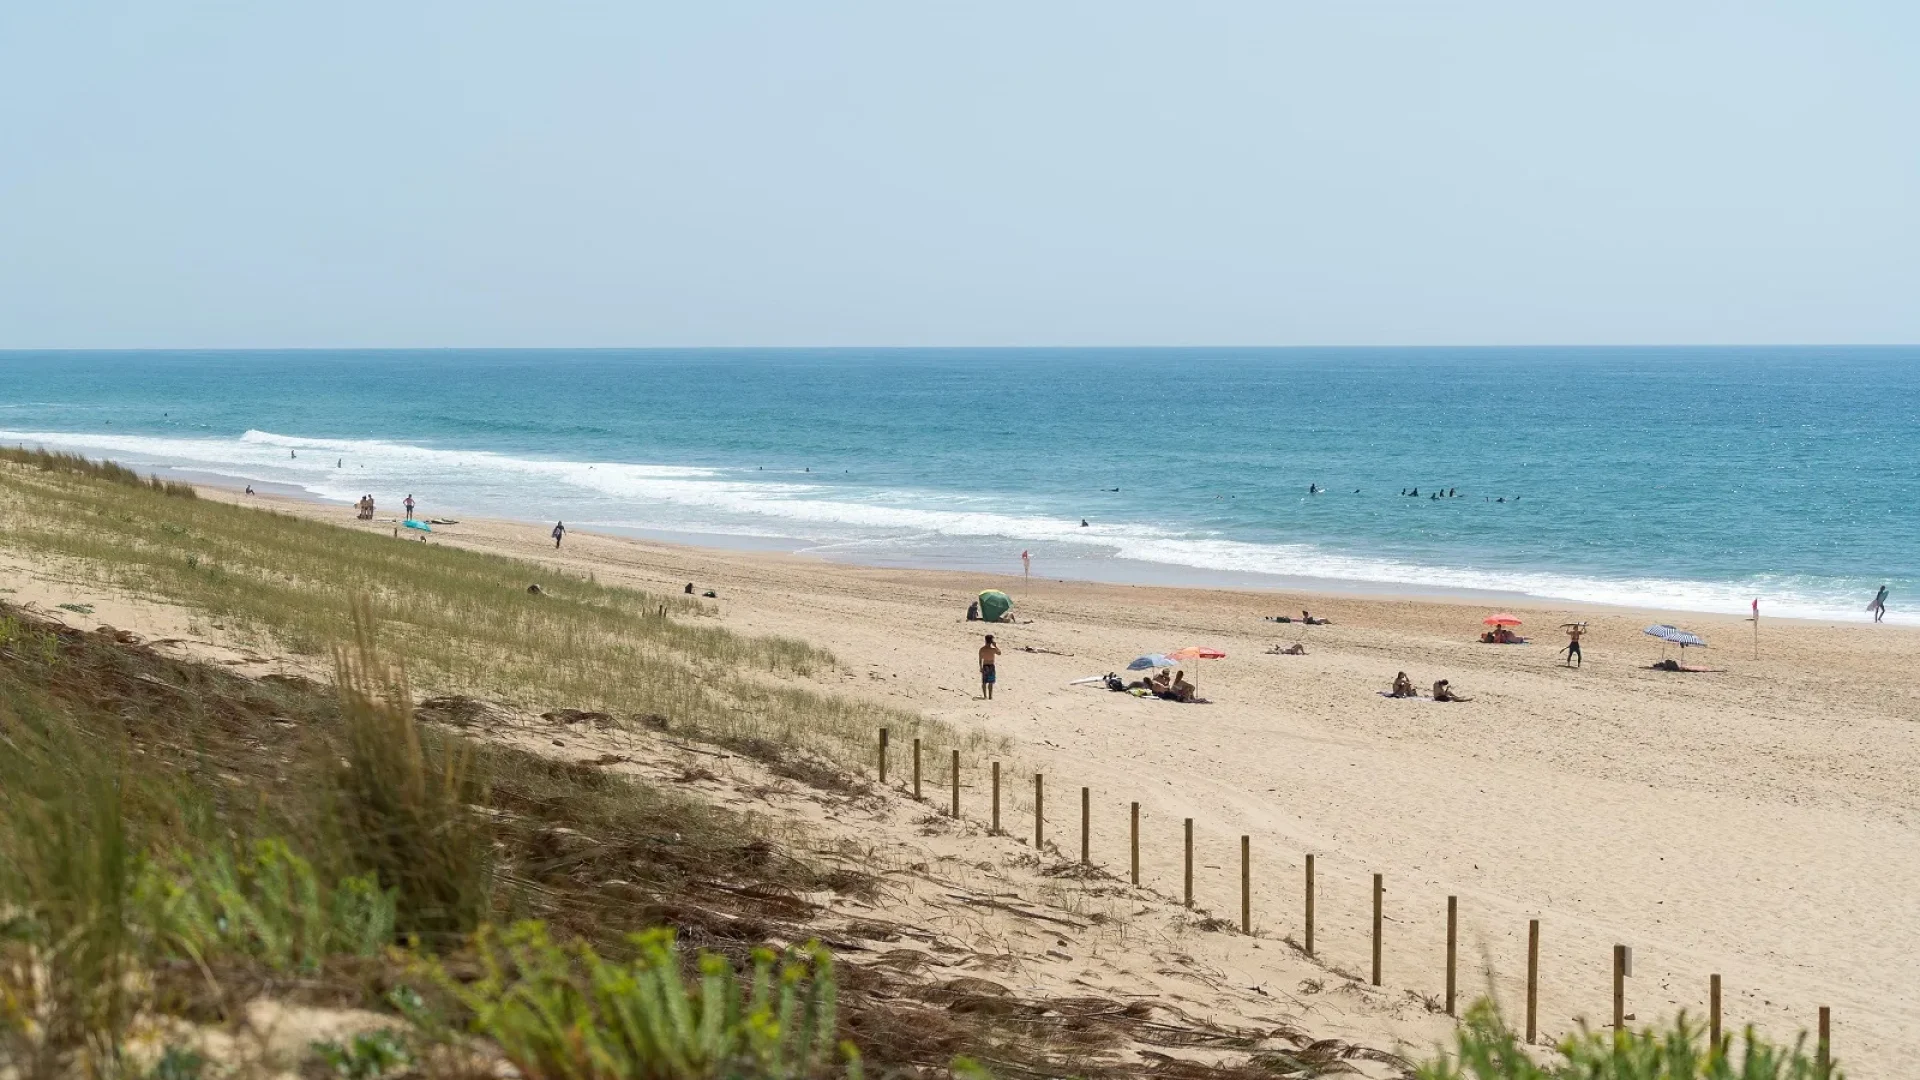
column 456, row 620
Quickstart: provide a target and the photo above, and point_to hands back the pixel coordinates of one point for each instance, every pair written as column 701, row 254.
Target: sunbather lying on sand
column 1295, row 649
column 1403, row 687
column 1443, row 692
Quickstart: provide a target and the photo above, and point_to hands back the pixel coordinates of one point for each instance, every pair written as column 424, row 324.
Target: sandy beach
column 1757, row 821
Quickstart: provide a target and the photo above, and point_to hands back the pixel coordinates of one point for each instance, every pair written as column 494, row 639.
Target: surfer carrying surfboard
column 1879, row 605
column 559, row 532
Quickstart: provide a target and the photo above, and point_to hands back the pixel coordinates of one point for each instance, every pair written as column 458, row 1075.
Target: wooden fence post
column 1309, row 904
column 953, row 773
column 1823, row 1053
column 883, row 755
column 1453, row 946
column 1619, row 988
column 1246, row 889
column 1189, row 864
column 1086, row 828
column 1039, row 812
column 916, row 770
column 1533, row 978
column 1713, row 1011
column 1378, row 888
column 1134, row 845
column 996, row 798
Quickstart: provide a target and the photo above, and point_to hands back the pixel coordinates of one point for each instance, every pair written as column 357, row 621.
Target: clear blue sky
column 709, row 173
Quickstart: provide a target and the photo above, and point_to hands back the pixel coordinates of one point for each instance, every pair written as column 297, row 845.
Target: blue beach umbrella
column 1673, row 635
column 1151, row 660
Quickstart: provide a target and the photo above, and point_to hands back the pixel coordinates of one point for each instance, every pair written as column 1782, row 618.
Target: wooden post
column 1246, row 889
column 1713, row 1012
column 1135, row 843
column 1533, row 978
column 953, row 773
column 1619, row 988
column 1378, row 888
column 1309, row 905
column 996, row 798
column 883, row 755
column 1189, row 873
column 1823, row 1053
column 1086, row 814
column 916, row 770
column 1453, row 946
column 1039, row 812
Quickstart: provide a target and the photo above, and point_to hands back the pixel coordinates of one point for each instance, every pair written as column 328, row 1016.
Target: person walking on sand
column 1879, row 605
column 409, row 504
column 988, row 673
column 559, row 533
column 1574, row 630
column 1026, row 563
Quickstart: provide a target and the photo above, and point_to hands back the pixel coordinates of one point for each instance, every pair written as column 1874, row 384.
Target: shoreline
column 1154, row 575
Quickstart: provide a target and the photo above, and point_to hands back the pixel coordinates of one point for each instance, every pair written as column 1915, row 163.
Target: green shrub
column 567, row 1012
column 367, row 1056
column 267, row 904
column 1488, row 1050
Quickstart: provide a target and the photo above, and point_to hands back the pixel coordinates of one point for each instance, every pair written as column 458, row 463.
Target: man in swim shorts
column 1573, row 643
column 988, row 654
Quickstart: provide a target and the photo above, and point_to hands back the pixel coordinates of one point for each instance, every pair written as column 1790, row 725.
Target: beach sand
column 1759, row 821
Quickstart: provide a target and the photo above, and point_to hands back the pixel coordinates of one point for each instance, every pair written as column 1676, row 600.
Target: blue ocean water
column 1685, row 478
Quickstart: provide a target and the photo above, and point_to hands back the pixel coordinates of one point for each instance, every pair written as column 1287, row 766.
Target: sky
column 239, row 175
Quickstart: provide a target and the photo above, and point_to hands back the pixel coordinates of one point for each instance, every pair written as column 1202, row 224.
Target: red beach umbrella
column 1502, row 619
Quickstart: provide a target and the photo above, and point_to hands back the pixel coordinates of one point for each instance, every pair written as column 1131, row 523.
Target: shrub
column 564, row 1012
column 1488, row 1050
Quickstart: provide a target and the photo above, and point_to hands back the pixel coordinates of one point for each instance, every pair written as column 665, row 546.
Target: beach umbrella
column 994, row 605
column 1151, row 660
column 1502, row 619
column 1673, row 635
column 1197, row 652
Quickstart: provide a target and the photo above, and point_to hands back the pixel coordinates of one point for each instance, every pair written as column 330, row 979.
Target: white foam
column 716, row 501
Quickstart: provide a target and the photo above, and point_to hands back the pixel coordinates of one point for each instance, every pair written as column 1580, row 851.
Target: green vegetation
column 568, row 1012
column 1488, row 1050
column 457, row 621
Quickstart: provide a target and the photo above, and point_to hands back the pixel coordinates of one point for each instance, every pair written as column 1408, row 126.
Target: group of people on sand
column 1167, row 688
column 1307, row 617
column 365, row 506
column 1403, row 688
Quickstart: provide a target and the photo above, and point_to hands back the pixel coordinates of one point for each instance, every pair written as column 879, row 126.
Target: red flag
column 1756, row 607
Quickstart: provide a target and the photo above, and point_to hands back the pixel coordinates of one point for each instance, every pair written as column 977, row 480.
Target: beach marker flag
column 1756, row 628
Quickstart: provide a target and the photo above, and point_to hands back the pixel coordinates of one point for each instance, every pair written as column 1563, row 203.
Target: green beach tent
column 994, row 605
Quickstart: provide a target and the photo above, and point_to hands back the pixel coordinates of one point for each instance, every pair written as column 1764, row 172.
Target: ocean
column 1694, row 479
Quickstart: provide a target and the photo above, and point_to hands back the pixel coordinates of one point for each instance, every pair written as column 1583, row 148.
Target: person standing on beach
column 988, row 672
column 1026, row 563
column 1879, row 605
column 559, row 532
column 409, row 504
column 1574, row 630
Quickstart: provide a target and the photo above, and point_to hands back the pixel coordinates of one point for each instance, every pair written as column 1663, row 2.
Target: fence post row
column 1622, row 954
